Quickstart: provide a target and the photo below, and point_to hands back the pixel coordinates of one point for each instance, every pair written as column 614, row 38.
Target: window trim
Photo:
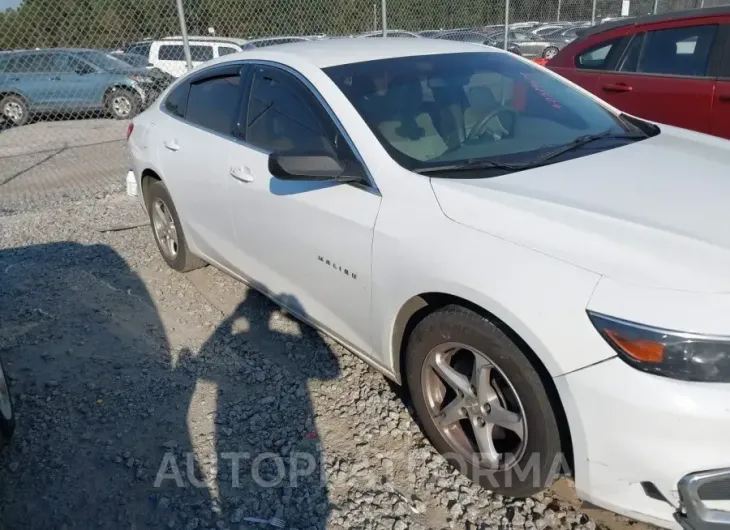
column 713, row 63
column 722, row 64
column 370, row 186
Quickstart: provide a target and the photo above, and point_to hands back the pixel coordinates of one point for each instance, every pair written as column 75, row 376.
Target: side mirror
column 307, row 167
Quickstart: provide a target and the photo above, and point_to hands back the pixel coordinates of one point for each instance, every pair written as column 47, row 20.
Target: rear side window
column 171, row 52
column 226, row 50
column 676, row 51
column 177, row 100
column 597, row 57
column 213, row 103
column 201, row 53
column 30, row 63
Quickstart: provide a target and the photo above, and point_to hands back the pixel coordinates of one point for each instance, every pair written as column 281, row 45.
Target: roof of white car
column 325, row 53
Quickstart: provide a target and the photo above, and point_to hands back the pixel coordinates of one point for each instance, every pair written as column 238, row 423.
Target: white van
column 168, row 54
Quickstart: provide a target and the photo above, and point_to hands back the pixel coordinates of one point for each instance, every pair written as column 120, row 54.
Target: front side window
column 282, row 118
column 213, row 103
column 139, row 49
column 676, row 51
column 201, row 53
column 226, row 50
column 437, row 110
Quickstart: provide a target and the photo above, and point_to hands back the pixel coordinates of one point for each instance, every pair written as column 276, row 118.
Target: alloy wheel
column 165, row 229
column 13, row 111
column 474, row 406
column 122, row 106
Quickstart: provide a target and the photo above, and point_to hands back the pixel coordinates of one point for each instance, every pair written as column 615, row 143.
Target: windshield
column 103, row 61
column 436, row 110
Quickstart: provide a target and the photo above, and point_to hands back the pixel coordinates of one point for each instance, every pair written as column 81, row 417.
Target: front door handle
column 617, row 87
column 724, row 97
column 172, row 145
column 55, row 78
column 242, row 173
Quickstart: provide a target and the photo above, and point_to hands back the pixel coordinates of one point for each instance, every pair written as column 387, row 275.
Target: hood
column 655, row 212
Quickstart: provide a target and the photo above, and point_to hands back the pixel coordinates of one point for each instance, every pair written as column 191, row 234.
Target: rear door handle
column 724, row 97
column 242, row 173
column 617, row 87
column 172, row 145
column 55, row 78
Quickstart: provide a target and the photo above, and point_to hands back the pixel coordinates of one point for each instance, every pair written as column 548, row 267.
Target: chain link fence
column 73, row 72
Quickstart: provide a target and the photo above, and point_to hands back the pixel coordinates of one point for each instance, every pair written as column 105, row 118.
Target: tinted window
column 213, row 103
column 177, row 100
column 596, row 58
column 225, row 50
column 139, row 49
column 283, row 117
column 171, row 52
column 201, row 53
column 176, row 52
column 65, row 64
column 676, row 51
column 31, row 63
column 447, row 109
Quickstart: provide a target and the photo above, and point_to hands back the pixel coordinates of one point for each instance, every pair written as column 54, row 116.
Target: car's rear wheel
column 168, row 231
column 7, row 416
column 123, row 104
column 14, row 109
column 482, row 403
column 549, row 52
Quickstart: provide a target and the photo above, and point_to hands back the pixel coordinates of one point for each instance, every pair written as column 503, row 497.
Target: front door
column 307, row 243
column 664, row 76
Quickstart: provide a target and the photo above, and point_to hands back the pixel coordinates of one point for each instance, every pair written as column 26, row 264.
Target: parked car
column 670, row 68
column 429, row 32
column 477, row 37
column 70, row 81
column 168, row 54
column 548, row 276
column 271, row 41
column 531, row 46
column 391, row 33
column 7, row 415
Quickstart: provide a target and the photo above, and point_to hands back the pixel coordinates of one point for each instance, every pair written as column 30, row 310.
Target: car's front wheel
column 168, row 231
column 14, row 109
column 482, row 403
column 123, row 104
column 550, row 52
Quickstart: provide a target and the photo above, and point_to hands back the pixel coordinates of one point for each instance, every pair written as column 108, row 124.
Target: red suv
column 672, row 68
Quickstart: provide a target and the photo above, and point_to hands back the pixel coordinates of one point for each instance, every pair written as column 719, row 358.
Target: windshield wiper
column 481, row 163
column 478, row 163
column 580, row 141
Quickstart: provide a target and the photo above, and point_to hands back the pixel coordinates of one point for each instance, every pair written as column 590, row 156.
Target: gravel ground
column 137, row 389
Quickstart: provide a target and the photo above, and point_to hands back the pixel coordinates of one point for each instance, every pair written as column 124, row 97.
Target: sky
column 4, row 4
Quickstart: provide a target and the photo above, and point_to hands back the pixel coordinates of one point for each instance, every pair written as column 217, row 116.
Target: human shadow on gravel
column 107, row 412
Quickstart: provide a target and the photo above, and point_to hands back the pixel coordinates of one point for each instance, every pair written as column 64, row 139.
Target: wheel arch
column 148, row 177
column 416, row 308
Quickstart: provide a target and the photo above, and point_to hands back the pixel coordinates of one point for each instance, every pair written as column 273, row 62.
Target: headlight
column 674, row 354
column 141, row 78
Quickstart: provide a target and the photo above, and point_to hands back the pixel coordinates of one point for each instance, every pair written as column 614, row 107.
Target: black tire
column 184, row 260
column 456, row 324
column 7, row 418
column 123, row 104
column 550, row 52
column 18, row 106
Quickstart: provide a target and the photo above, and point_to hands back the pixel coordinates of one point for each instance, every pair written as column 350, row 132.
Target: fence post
column 558, row 19
column 184, row 33
column 384, row 16
column 375, row 16
column 506, row 23
column 656, row 2
column 593, row 14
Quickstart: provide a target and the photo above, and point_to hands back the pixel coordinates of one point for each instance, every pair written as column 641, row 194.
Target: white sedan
column 549, row 277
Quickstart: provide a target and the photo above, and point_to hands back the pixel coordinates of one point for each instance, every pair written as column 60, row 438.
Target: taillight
column 130, row 130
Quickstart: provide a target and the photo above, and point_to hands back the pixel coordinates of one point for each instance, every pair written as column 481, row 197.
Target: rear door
column 720, row 121
column 665, row 75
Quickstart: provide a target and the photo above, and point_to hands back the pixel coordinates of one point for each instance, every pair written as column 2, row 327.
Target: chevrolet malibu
column 548, row 277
